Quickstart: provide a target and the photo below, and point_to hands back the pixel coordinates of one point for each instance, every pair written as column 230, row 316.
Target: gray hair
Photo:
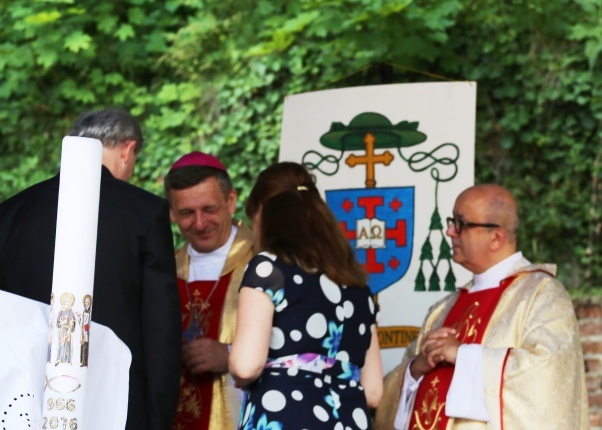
column 112, row 127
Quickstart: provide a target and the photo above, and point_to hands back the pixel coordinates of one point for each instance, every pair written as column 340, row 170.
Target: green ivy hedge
column 212, row 75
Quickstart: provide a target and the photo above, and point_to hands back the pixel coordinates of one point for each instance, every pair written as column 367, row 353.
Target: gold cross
column 370, row 159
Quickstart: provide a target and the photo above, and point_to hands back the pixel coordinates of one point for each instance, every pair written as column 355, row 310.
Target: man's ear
column 499, row 239
column 232, row 201
column 128, row 149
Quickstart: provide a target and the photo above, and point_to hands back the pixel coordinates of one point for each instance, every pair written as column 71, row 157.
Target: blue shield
column 379, row 223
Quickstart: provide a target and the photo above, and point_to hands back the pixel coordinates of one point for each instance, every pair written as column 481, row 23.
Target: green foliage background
column 212, row 75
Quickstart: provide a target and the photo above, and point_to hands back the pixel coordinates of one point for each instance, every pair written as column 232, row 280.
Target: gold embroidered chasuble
column 533, row 370
column 469, row 316
column 225, row 404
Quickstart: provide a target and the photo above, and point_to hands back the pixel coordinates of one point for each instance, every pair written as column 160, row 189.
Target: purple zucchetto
column 198, row 158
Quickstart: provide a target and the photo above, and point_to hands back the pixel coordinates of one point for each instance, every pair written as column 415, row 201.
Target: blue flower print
column 350, row 371
column 333, row 401
column 248, row 423
column 333, row 341
column 276, row 297
column 264, row 424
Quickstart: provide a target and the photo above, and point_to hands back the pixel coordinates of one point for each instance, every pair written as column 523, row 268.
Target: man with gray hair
column 135, row 289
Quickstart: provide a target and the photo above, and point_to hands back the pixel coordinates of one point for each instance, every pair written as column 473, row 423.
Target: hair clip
column 301, row 188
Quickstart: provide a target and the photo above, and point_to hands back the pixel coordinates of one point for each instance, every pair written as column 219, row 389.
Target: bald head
column 485, row 230
column 499, row 207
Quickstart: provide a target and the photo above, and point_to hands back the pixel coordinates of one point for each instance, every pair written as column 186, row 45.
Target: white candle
column 72, row 284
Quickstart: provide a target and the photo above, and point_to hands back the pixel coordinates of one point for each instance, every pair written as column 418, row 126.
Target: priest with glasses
column 502, row 352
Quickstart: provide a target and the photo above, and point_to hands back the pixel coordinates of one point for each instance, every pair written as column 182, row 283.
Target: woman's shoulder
column 268, row 265
column 360, row 293
column 263, row 256
column 268, row 259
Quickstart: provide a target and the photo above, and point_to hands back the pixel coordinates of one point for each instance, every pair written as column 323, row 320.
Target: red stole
column 470, row 316
column 194, row 407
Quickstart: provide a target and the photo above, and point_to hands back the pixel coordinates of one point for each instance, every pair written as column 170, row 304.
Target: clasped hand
column 205, row 355
column 438, row 346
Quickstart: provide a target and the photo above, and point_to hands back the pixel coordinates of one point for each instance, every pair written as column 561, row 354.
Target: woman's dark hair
column 297, row 225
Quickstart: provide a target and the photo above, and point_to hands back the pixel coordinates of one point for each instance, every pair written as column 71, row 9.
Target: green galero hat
column 387, row 135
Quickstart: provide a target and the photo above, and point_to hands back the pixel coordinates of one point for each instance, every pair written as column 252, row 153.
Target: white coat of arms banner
column 390, row 161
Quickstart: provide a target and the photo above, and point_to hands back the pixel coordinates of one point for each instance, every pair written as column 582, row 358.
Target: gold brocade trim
column 241, row 252
column 239, row 256
column 430, row 409
column 467, row 325
column 190, row 401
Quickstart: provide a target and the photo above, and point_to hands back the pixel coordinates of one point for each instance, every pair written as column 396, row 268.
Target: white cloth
column 207, row 266
column 466, row 395
column 23, row 348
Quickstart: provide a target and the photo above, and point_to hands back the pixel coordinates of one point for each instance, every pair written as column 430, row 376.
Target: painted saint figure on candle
column 65, row 322
column 84, row 322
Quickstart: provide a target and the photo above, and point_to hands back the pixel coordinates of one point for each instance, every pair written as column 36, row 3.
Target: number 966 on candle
column 60, row 405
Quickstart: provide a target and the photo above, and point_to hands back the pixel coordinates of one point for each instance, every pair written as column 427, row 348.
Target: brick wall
column 589, row 315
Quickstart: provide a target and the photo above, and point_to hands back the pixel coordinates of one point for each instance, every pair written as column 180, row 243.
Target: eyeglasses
column 459, row 224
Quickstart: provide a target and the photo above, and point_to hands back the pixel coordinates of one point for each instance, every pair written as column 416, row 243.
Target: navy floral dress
column 320, row 335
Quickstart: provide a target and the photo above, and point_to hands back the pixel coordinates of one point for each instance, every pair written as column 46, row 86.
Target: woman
column 305, row 344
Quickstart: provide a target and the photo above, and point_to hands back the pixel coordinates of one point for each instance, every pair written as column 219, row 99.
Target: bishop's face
column 204, row 214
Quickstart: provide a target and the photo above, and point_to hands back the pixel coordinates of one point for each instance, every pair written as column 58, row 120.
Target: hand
column 241, row 386
column 440, row 346
column 205, row 355
column 420, row 367
column 432, row 341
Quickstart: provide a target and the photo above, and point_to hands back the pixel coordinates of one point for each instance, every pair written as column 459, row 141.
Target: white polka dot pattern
column 330, row 289
column 321, row 413
column 269, row 255
column 247, row 412
column 343, row 356
column 277, row 339
column 312, row 313
column 348, row 309
column 316, row 326
column 273, row 401
column 264, row 269
column 281, row 306
column 360, row 418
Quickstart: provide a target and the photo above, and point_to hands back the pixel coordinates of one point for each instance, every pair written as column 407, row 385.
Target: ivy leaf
column 47, row 58
column 125, row 32
column 300, row 21
column 156, row 42
column 107, row 24
column 43, row 17
column 77, row 41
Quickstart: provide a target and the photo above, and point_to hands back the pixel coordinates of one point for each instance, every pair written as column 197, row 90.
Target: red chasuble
column 194, row 407
column 469, row 316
